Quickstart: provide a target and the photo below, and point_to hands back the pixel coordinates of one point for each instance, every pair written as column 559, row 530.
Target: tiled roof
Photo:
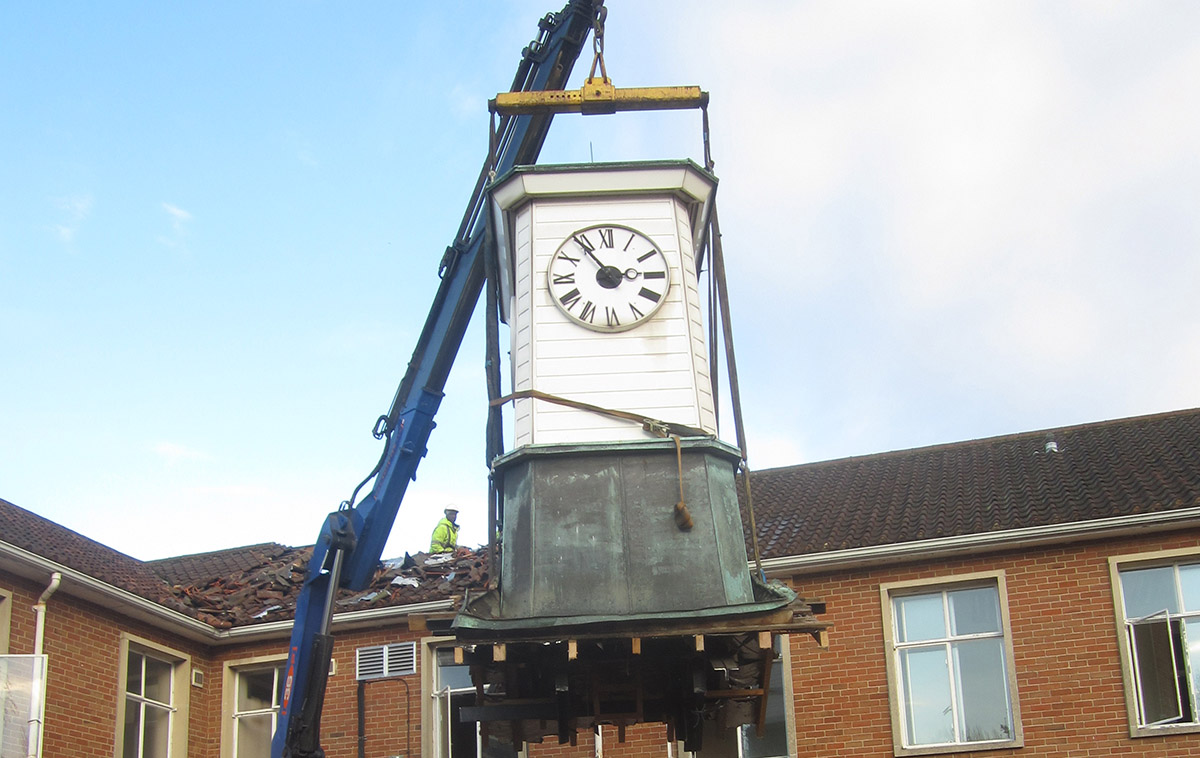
column 268, row 590
column 1092, row 471
column 201, row 567
column 1079, row 473
column 42, row 537
column 233, row 587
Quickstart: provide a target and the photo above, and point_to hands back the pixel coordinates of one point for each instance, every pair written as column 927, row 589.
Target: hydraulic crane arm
column 351, row 542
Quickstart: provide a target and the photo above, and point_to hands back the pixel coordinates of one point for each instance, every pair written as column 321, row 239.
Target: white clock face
column 608, row 278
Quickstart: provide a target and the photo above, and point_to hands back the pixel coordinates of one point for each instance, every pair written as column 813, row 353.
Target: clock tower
column 617, row 500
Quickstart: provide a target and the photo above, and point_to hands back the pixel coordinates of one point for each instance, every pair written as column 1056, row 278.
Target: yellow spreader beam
column 598, row 96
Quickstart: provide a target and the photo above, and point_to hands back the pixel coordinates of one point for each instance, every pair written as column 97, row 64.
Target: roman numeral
column 564, row 256
column 569, row 299
column 606, row 237
column 568, row 278
column 655, row 275
column 636, row 313
column 588, row 313
column 611, row 317
column 584, row 242
column 650, row 295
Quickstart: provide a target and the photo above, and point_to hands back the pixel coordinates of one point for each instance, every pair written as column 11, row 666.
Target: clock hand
column 632, row 273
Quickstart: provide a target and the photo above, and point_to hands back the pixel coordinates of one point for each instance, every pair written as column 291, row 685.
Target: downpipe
column 39, row 638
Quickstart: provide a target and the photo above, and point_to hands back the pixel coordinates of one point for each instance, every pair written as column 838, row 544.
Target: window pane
column 974, row 611
column 920, row 617
column 982, row 690
column 158, row 726
column 255, row 690
column 133, row 674
column 254, row 736
column 1148, row 591
column 1155, row 665
column 774, row 739
column 1191, row 635
column 928, row 708
column 1189, row 586
column 133, row 729
column 456, row 677
column 158, row 680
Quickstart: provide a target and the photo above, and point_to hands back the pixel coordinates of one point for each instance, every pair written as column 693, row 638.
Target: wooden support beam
column 458, row 655
column 637, row 645
column 765, row 642
column 718, row 694
column 699, row 643
column 500, row 652
column 768, row 657
column 572, row 649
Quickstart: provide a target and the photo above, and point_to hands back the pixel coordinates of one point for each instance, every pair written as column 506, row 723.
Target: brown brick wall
column 1061, row 616
column 82, row 642
column 1064, row 645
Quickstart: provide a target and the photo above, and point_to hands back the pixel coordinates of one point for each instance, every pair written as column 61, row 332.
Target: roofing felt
column 1148, row 464
column 1143, row 465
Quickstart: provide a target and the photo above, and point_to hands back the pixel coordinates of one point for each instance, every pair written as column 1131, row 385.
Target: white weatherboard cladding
column 659, row 369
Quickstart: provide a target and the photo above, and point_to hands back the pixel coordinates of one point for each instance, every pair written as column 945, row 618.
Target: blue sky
column 220, row 226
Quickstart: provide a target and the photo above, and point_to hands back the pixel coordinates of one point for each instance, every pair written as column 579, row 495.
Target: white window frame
column 5, row 619
column 1129, row 665
column 181, row 671
column 888, row 593
column 231, row 670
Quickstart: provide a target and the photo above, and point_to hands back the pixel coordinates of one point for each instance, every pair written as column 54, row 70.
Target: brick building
column 1036, row 593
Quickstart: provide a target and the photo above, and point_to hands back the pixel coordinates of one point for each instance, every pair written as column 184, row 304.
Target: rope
column 683, row 518
column 653, row 426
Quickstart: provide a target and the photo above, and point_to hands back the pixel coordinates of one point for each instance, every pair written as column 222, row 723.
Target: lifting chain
column 600, row 13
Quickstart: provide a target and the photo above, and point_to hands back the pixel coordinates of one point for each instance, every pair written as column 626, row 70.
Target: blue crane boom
column 352, row 539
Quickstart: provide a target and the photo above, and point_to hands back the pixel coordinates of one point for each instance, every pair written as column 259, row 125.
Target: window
column 450, row 687
column 774, row 741
column 258, row 691
column 152, row 715
column 950, row 672
column 148, row 706
column 1159, row 615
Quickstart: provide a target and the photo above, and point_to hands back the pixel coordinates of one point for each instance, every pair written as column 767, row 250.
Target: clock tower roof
column 683, row 178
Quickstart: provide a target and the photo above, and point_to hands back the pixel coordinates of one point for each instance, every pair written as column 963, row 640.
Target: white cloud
column 74, row 209
column 174, row 453
column 180, row 219
column 177, row 213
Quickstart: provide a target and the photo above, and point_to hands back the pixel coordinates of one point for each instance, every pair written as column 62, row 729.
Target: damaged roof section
column 268, row 590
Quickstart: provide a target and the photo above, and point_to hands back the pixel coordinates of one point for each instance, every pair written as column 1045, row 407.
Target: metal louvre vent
column 397, row 659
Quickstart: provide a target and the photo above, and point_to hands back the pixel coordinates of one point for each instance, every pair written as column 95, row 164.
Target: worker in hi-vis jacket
column 445, row 534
